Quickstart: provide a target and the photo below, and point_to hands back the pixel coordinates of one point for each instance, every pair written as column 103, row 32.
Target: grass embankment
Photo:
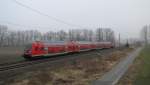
column 139, row 72
column 82, row 72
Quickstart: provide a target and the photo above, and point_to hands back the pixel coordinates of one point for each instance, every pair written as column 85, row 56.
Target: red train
column 42, row 48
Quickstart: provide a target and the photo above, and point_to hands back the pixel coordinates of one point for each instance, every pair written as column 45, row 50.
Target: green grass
column 143, row 75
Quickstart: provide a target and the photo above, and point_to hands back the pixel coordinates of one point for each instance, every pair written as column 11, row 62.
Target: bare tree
column 144, row 34
column 21, row 38
column 3, row 33
column 105, row 34
column 62, row 35
column 99, row 34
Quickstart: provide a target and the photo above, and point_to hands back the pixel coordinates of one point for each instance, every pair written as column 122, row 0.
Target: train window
column 42, row 48
column 46, row 49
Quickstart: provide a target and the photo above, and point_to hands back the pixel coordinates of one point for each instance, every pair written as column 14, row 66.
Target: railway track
column 21, row 64
column 10, row 70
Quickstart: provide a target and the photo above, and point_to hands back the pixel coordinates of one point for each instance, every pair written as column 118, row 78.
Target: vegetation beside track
column 139, row 72
column 78, row 72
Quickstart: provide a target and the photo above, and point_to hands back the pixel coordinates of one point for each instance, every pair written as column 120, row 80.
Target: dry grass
column 80, row 72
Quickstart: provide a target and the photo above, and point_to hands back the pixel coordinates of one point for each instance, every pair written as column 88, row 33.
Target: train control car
column 49, row 48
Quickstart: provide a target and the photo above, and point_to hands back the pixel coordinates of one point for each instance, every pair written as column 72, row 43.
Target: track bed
column 54, row 62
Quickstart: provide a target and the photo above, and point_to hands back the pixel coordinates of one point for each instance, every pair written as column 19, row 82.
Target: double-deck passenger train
column 39, row 49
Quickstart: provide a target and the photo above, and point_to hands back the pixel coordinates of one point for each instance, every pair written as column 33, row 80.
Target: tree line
column 20, row 38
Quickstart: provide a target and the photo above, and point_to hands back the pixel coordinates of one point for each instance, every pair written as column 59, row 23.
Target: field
column 79, row 72
column 139, row 72
column 10, row 54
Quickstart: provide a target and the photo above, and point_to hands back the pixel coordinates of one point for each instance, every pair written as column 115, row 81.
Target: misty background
column 126, row 17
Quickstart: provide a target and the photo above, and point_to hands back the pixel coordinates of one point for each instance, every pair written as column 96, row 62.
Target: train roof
column 64, row 42
column 84, row 42
column 54, row 42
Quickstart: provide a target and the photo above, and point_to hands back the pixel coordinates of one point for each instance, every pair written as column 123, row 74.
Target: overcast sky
column 124, row 16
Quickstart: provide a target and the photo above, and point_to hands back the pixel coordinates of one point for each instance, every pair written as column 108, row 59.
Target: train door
column 69, row 47
column 38, row 49
column 75, row 46
column 43, row 50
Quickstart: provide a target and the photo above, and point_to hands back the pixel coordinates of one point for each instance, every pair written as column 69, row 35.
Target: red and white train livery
column 45, row 48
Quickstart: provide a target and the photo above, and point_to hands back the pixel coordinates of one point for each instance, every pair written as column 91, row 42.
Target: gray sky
column 124, row 16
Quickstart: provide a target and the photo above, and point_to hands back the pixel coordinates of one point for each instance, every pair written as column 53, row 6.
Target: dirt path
column 112, row 77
